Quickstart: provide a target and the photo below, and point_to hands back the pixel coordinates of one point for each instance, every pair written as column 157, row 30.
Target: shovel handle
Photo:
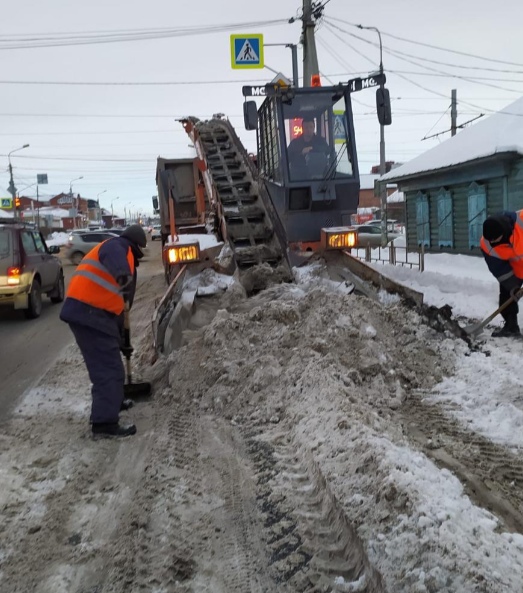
column 474, row 329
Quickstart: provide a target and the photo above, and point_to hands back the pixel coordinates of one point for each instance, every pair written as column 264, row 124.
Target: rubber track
column 243, row 208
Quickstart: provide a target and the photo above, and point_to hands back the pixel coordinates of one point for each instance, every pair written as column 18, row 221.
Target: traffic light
column 18, row 203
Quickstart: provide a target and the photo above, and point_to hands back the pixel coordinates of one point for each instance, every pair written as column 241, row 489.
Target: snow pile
column 57, row 238
column 330, row 372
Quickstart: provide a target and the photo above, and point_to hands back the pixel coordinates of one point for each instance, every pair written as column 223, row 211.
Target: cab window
column 40, row 247
column 316, row 135
column 28, row 243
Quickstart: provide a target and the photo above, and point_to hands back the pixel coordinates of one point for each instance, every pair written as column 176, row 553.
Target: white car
column 156, row 233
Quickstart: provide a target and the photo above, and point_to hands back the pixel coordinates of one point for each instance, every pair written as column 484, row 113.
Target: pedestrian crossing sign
column 247, row 51
column 6, row 202
column 340, row 134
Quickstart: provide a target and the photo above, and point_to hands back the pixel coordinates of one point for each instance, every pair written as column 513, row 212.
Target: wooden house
column 452, row 188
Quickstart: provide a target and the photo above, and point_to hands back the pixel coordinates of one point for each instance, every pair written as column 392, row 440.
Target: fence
column 395, row 256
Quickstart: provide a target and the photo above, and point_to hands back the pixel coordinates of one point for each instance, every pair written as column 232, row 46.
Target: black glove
column 125, row 280
column 516, row 293
column 127, row 351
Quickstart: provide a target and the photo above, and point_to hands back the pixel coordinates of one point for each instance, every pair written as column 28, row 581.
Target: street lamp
column 125, row 211
column 383, row 187
column 12, row 188
column 112, row 210
column 98, row 202
column 75, row 202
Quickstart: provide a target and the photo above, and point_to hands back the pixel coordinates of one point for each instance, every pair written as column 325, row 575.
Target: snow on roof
column 367, row 181
column 51, row 211
column 397, row 196
column 501, row 132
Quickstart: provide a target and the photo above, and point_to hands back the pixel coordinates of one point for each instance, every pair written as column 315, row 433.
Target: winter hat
column 136, row 234
column 492, row 229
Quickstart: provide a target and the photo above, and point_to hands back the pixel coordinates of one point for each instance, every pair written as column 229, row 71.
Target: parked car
column 369, row 234
column 391, row 224
column 79, row 244
column 156, row 233
column 28, row 269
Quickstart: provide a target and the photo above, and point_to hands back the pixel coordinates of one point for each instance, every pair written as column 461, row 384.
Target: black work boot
column 112, row 430
column 127, row 404
column 509, row 330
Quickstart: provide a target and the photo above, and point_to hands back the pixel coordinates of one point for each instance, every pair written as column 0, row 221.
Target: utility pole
column 12, row 189
column 310, row 57
column 454, row 113
column 384, row 119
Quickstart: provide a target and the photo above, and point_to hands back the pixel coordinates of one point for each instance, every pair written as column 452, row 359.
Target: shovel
column 475, row 329
column 131, row 390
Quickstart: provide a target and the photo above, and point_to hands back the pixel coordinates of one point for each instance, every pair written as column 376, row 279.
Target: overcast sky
column 111, row 134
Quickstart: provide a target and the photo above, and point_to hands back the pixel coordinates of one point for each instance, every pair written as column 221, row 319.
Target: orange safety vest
column 93, row 284
column 512, row 251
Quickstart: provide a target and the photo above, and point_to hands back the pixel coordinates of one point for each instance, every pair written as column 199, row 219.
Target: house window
column 422, row 219
column 445, row 219
column 477, row 202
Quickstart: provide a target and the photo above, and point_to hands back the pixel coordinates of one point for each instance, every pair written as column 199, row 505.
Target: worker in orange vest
column 95, row 300
column 502, row 247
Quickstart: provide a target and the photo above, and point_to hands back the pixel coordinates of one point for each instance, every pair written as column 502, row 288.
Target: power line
column 62, row 40
column 473, row 80
column 453, row 51
column 111, row 115
column 132, row 83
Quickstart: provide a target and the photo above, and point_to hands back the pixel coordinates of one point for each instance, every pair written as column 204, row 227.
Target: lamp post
column 112, row 210
column 125, row 211
column 75, row 202
column 98, row 202
column 383, row 187
column 12, row 189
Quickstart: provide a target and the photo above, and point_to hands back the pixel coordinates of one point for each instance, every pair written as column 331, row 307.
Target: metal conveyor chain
column 249, row 229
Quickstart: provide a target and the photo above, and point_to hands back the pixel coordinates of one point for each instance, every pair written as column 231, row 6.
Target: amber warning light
column 183, row 253
column 338, row 238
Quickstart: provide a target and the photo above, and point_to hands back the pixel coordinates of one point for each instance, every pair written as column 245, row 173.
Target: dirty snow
column 326, row 367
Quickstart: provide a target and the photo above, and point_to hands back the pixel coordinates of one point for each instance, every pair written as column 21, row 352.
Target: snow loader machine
column 268, row 210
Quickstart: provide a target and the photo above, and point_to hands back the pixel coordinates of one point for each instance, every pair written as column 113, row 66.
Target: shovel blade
column 137, row 390
column 474, row 330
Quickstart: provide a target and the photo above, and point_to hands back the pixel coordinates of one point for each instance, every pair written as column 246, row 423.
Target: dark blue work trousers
column 102, row 358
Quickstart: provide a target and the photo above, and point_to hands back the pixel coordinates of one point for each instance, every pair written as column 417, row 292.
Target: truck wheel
column 35, row 301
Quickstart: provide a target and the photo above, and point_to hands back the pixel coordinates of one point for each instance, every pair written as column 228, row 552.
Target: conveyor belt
column 246, row 214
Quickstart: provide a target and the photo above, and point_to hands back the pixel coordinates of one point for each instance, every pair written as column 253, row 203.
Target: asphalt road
column 28, row 347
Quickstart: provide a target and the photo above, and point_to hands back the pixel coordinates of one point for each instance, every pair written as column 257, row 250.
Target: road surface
column 29, row 347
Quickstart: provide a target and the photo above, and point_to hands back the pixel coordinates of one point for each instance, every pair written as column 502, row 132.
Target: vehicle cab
column 307, row 158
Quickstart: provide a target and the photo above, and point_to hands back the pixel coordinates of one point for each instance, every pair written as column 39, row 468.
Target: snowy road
column 303, row 440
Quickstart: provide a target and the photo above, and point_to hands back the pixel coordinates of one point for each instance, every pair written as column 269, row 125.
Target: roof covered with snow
column 499, row 133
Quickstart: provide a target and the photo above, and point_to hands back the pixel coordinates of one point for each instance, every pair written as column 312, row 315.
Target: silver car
column 369, row 234
column 79, row 244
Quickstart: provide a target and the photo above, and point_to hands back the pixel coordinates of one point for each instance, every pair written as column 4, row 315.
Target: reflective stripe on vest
column 506, row 251
column 93, row 284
